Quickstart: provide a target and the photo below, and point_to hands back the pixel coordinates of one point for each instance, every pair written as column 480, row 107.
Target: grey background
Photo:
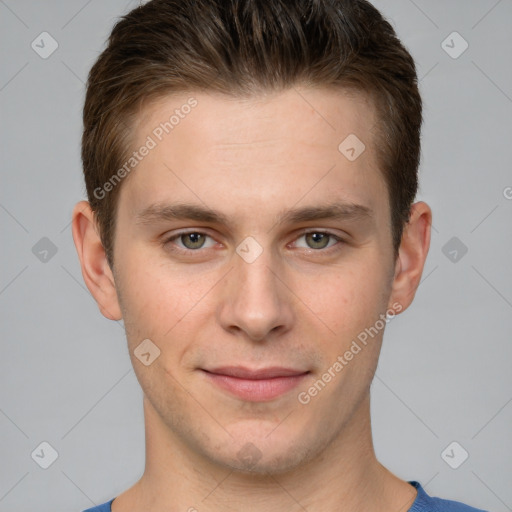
column 444, row 374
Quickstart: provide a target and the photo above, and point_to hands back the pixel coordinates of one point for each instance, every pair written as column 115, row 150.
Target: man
column 251, row 168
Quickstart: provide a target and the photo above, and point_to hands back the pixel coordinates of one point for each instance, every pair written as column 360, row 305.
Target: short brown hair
column 240, row 48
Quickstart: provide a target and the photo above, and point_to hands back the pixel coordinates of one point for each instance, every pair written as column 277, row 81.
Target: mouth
column 258, row 385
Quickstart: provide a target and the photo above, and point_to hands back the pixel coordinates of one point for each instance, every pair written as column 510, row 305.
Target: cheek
column 351, row 305
column 162, row 303
column 149, row 305
column 348, row 300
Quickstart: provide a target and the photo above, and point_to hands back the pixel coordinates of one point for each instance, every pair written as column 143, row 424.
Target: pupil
column 193, row 240
column 318, row 238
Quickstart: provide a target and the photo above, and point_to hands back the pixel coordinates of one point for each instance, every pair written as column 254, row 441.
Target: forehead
column 265, row 150
column 325, row 116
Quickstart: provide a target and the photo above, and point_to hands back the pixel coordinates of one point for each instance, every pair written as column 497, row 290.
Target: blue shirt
column 422, row 503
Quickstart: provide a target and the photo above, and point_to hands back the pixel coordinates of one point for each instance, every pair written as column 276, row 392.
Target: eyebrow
column 161, row 212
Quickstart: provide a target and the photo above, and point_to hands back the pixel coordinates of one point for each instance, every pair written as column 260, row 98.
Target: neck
column 345, row 476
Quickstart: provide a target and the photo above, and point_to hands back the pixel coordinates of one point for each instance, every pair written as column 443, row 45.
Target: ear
column 95, row 268
column 411, row 257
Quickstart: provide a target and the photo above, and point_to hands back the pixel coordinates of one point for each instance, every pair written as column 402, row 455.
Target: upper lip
column 256, row 374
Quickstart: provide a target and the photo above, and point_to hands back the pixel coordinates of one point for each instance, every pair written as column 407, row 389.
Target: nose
column 255, row 299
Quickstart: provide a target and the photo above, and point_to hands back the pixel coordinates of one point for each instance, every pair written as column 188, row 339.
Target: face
column 252, row 252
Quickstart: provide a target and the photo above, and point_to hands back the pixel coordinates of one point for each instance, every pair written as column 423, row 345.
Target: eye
column 190, row 241
column 319, row 239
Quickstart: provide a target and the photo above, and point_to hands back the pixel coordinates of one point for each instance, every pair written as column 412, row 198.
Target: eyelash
column 180, row 250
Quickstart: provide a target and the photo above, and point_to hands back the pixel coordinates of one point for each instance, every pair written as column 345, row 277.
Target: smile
column 256, row 385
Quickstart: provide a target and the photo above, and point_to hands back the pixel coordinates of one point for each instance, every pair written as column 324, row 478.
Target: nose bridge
column 255, row 299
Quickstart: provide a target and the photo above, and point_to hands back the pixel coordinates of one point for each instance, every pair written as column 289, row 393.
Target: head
column 241, row 124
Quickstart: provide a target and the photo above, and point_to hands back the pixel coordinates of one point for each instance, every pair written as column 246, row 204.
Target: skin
column 297, row 305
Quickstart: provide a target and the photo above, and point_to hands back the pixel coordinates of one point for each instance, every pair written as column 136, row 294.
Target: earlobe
column 96, row 271
column 412, row 255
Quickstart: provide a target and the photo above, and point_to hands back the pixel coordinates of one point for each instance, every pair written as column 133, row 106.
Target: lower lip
column 256, row 390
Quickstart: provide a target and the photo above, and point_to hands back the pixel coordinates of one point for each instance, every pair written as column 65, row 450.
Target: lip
column 257, row 385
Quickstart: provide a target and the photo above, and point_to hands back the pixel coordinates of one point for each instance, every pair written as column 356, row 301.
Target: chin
column 266, row 454
column 273, row 464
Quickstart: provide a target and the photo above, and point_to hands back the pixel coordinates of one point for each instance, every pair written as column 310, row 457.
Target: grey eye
column 317, row 240
column 192, row 240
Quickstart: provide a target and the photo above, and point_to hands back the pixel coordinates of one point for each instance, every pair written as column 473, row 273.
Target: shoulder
column 426, row 503
column 105, row 507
